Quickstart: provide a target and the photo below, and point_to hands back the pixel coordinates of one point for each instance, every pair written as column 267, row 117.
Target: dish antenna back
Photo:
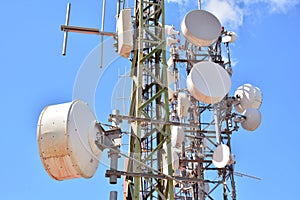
column 66, row 141
column 71, row 141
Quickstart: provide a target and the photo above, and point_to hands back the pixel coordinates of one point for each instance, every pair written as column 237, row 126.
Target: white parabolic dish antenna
column 253, row 119
column 208, row 82
column 249, row 97
column 201, row 28
column 221, row 156
column 65, row 135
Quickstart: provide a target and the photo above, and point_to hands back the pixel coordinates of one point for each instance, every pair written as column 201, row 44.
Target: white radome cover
column 65, row 135
column 253, row 119
column 201, row 28
column 175, row 160
column 208, row 82
column 221, row 156
column 183, row 104
column 124, row 31
column 177, row 136
column 250, row 97
column 206, row 187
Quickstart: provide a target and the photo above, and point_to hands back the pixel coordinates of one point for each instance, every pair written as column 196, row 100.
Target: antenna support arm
column 105, row 139
column 85, row 30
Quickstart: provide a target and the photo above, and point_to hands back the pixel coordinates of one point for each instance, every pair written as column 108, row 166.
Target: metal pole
column 113, row 165
column 199, row 4
column 217, row 123
column 113, row 195
column 66, row 32
column 102, row 29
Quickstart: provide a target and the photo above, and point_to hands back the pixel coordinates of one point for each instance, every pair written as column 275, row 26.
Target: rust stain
column 61, row 167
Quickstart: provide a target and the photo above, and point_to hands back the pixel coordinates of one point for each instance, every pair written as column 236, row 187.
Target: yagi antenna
column 246, row 175
column 77, row 29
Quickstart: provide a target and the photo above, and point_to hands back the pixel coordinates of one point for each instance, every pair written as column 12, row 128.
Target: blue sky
column 34, row 74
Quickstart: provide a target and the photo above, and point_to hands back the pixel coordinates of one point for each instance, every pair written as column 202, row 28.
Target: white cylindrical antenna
column 102, row 29
column 64, row 51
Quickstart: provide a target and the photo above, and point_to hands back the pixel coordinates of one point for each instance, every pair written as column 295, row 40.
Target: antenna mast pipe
column 102, row 30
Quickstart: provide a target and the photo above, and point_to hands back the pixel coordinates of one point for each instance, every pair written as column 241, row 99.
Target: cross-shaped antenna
column 77, row 29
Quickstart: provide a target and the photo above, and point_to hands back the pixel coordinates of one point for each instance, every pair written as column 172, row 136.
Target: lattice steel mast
column 149, row 101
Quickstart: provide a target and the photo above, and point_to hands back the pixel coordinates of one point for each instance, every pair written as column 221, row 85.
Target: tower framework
column 180, row 138
column 150, row 142
column 149, row 101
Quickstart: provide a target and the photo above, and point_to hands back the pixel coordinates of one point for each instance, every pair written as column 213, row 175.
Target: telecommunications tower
column 181, row 117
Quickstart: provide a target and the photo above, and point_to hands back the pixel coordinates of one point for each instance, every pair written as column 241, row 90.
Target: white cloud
column 180, row 2
column 231, row 13
column 227, row 12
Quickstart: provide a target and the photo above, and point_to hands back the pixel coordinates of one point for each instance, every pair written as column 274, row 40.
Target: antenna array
column 180, row 143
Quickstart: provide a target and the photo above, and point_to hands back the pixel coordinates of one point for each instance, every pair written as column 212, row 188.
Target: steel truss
column 150, row 119
column 206, row 126
column 149, row 101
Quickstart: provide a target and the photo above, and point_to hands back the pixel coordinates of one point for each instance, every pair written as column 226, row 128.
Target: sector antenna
column 180, row 129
